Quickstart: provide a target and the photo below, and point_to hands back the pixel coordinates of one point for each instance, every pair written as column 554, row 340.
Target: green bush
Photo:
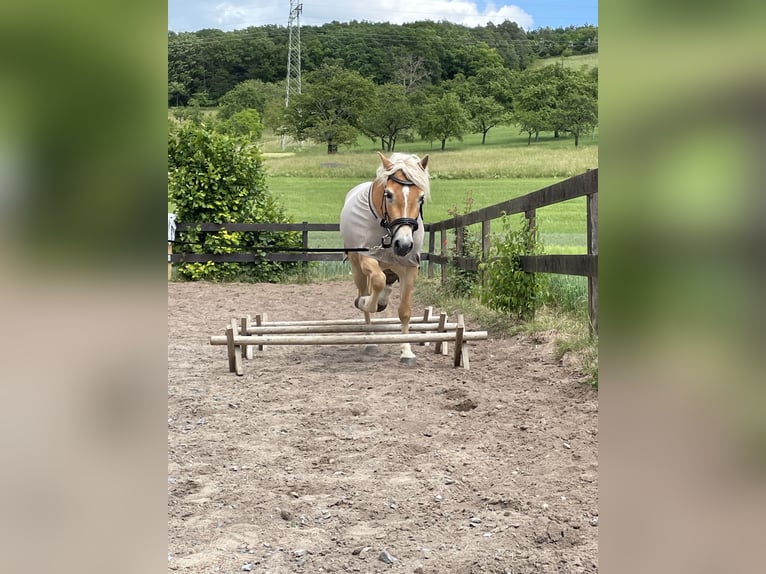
column 507, row 287
column 214, row 178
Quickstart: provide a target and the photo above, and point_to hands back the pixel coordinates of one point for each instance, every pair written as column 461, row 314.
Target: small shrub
column 507, row 287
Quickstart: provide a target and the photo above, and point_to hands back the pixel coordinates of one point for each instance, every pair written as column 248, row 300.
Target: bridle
column 391, row 226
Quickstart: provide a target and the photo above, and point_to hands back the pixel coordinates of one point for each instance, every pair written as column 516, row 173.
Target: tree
column 177, row 94
column 388, row 114
column 443, row 119
column 485, row 113
column 557, row 99
column 245, row 123
column 329, row 108
column 532, row 109
column 274, row 114
column 215, row 178
column 250, row 94
column 577, row 110
column 411, row 72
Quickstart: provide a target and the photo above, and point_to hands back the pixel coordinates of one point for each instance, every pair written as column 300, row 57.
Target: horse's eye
column 421, row 199
column 388, row 195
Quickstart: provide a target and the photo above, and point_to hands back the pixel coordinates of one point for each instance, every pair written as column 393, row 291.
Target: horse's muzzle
column 402, row 247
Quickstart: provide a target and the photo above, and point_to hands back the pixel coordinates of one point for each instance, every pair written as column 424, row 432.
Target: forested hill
column 209, row 62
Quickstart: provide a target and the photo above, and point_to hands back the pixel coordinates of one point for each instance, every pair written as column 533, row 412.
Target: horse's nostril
column 402, row 248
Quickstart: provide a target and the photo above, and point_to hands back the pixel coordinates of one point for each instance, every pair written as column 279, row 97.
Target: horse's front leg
column 360, row 279
column 376, row 283
column 407, row 280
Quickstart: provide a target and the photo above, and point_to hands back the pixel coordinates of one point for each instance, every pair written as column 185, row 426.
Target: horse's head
column 402, row 185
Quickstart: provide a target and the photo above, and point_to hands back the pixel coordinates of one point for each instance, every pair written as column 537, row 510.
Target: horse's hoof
column 408, row 361
column 371, row 349
column 356, row 302
column 382, row 307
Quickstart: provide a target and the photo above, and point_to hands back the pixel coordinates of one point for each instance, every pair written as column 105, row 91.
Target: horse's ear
column 424, row 162
column 386, row 162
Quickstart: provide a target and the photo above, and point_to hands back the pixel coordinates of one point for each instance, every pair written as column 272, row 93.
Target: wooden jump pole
column 373, row 321
column 383, row 338
column 360, row 328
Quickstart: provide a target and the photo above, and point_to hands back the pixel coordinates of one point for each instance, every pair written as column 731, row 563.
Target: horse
column 382, row 227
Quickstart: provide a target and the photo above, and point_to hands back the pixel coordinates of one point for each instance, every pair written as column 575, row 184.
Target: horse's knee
column 378, row 281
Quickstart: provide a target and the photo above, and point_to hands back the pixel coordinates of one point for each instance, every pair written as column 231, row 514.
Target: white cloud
column 236, row 14
column 233, row 15
column 401, row 11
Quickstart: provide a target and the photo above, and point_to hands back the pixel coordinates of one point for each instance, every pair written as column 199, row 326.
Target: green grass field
column 312, row 184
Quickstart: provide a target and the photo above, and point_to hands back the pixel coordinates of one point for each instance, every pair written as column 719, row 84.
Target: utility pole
column 293, row 53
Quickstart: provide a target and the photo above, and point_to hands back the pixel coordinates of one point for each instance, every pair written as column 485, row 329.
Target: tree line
column 206, row 64
column 338, row 105
column 471, row 91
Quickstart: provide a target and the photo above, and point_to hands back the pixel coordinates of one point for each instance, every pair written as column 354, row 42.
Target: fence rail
column 585, row 184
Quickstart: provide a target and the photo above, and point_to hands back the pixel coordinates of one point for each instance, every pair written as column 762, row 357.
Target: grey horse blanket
column 360, row 227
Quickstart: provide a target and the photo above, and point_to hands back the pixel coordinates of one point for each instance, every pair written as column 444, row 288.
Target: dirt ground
column 330, row 459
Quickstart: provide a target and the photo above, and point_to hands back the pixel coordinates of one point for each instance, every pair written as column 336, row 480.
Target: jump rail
column 241, row 337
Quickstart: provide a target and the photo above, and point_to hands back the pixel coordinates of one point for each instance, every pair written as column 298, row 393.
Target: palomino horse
column 383, row 221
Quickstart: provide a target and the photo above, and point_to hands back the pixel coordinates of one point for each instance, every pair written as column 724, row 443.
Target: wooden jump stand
column 243, row 335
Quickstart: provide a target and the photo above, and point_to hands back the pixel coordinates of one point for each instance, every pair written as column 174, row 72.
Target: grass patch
column 506, row 155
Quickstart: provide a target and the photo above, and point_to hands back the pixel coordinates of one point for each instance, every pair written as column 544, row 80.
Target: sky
column 192, row 15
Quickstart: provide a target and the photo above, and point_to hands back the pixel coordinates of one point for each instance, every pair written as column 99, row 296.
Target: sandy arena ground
column 328, row 459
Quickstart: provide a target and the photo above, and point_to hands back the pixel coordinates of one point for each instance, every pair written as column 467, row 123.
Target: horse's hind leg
column 407, row 278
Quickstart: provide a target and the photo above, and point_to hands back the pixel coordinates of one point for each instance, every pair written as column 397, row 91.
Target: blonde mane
column 409, row 164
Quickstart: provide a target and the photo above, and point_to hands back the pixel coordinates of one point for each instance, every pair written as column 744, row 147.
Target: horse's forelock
column 410, row 165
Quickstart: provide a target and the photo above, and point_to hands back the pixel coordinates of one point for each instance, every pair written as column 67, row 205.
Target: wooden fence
column 585, row 184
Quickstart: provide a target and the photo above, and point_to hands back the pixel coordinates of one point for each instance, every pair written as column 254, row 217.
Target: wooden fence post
column 486, row 231
column 592, row 211
column 531, row 216
column 443, row 238
column 431, row 240
column 305, row 242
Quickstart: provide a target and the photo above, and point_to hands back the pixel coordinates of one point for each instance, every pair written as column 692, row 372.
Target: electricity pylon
column 293, row 53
